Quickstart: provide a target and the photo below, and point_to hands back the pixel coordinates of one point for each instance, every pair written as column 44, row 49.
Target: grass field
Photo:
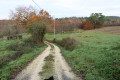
column 11, row 63
column 110, row 30
column 96, row 57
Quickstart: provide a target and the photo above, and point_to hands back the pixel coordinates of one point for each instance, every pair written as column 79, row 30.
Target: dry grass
column 111, row 30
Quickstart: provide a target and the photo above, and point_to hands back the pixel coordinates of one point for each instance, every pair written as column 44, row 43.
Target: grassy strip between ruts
column 11, row 69
column 48, row 68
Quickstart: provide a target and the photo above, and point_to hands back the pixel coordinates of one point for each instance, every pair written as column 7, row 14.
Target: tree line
column 96, row 20
column 29, row 19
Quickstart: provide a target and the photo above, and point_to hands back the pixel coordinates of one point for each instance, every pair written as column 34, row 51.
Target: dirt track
column 31, row 72
column 62, row 69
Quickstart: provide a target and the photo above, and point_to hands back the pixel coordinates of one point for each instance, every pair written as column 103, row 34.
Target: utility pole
column 53, row 17
column 54, row 27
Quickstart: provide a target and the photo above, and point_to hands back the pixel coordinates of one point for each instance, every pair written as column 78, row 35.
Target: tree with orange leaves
column 35, row 21
column 43, row 17
column 23, row 14
column 86, row 25
column 29, row 15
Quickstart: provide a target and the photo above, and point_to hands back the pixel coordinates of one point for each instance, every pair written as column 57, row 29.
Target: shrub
column 68, row 43
column 6, row 58
column 29, row 42
column 15, row 47
column 38, row 31
column 10, row 57
column 19, row 49
column 86, row 25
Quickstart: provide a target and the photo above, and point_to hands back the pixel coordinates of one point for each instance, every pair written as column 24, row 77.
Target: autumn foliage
column 86, row 25
column 67, row 24
column 34, row 21
column 29, row 15
column 43, row 17
column 22, row 14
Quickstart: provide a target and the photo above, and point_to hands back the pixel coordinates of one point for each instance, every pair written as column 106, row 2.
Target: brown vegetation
column 68, row 43
column 86, row 25
column 9, row 27
column 110, row 29
column 86, row 36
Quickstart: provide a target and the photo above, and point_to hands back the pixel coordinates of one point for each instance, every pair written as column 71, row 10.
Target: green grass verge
column 4, row 45
column 9, row 69
column 12, row 68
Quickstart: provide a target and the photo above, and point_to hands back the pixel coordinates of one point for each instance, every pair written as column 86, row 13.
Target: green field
column 94, row 58
column 11, row 63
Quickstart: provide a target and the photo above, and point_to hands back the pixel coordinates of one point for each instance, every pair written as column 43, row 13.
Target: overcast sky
column 65, row 8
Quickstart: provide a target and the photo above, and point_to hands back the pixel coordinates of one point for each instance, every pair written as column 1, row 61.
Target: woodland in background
column 26, row 16
column 74, row 23
column 9, row 27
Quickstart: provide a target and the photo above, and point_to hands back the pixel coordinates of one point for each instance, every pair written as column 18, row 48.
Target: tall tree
column 23, row 14
column 97, row 19
column 36, row 21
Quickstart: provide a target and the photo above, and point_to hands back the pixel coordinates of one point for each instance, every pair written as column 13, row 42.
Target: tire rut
column 31, row 72
column 62, row 71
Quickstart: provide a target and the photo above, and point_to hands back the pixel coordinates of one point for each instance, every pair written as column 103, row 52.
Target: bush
column 10, row 57
column 68, row 43
column 19, row 49
column 38, row 31
column 15, row 47
column 29, row 42
column 86, row 25
column 6, row 58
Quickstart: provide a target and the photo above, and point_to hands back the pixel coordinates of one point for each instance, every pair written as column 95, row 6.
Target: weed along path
column 49, row 65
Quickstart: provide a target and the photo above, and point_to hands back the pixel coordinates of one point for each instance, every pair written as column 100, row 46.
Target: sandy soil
column 62, row 69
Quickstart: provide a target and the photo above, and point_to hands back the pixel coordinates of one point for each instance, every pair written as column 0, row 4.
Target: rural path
column 61, row 68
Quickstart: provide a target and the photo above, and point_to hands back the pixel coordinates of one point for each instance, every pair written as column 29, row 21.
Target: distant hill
column 113, row 17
